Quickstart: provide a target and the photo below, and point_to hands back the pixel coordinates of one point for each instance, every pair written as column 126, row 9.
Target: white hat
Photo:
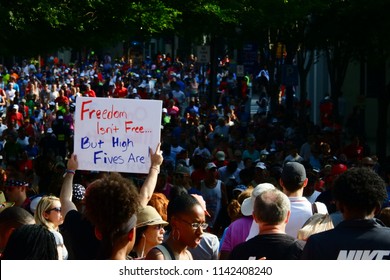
column 210, row 165
column 34, row 203
column 220, row 155
column 248, row 204
column 164, row 110
column 261, row 165
column 264, row 152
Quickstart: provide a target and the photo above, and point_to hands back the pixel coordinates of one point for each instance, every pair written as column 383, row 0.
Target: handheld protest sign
column 115, row 134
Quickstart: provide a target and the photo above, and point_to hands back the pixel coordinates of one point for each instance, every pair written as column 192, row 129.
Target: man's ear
column 305, row 183
column 255, row 218
column 131, row 234
column 281, row 183
column 98, row 234
column 287, row 217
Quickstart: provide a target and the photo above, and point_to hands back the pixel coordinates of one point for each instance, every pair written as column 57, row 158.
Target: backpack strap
column 319, row 207
column 168, row 255
column 314, row 208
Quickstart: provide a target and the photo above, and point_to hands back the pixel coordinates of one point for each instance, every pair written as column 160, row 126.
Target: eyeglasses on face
column 57, row 209
column 195, row 226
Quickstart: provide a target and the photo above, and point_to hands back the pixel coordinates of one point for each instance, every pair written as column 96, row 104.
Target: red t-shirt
column 26, row 165
column 62, row 100
column 120, row 92
column 30, row 131
column 90, row 93
column 17, row 117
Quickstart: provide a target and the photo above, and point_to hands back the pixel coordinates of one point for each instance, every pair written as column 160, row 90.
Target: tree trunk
column 304, row 65
column 213, row 70
column 338, row 59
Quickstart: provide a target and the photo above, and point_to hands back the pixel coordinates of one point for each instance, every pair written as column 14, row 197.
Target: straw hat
column 149, row 216
column 3, row 203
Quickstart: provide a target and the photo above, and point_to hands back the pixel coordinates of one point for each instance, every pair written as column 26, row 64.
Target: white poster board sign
column 203, row 54
column 115, row 134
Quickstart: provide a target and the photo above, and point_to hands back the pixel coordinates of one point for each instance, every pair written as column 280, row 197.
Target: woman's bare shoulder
column 154, row 254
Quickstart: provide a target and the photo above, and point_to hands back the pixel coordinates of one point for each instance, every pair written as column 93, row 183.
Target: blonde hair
column 45, row 204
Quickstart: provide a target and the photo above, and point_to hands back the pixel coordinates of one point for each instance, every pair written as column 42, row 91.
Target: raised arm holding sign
column 80, row 237
column 116, row 134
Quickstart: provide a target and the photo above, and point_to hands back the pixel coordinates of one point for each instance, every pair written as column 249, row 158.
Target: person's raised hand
column 72, row 164
column 156, row 158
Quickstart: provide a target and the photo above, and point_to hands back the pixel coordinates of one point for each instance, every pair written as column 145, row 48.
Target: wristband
column 155, row 168
column 69, row 171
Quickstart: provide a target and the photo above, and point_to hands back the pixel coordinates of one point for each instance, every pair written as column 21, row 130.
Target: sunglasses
column 158, row 227
column 57, row 209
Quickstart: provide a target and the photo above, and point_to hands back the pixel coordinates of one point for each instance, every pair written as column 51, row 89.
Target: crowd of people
column 223, row 184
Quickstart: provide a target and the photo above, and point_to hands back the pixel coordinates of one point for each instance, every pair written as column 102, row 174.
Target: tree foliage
column 30, row 27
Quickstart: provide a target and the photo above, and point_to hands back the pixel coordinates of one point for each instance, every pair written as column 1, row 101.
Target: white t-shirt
column 10, row 94
column 207, row 249
column 60, row 242
column 301, row 210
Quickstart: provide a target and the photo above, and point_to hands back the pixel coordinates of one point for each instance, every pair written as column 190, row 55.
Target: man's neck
column 20, row 201
column 272, row 229
column 357, row 215
column 298, row 193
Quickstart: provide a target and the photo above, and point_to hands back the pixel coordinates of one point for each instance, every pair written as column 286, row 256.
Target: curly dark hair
column 31, row 242
column 110, row 202
column 360, row 189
